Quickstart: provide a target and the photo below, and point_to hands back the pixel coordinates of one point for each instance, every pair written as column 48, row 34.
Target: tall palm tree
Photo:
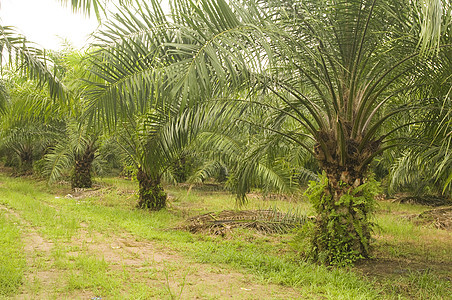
column 338, row 69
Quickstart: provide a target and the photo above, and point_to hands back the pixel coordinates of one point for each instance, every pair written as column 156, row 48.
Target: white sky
column 45, row 21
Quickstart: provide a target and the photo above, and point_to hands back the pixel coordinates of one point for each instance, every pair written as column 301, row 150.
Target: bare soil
column 174, row 271
column 145, row 261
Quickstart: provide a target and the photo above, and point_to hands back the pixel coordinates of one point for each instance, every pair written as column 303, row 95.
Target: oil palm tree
column 338, row 69
column 152, row 126
column 79, row 142
column 153, row 142
column 28, row 122
column 74, row 149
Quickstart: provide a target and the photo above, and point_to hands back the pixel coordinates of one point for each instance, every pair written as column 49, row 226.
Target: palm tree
column 153, row 127
column 75, row 149
column 337, row 69
column 31, row 62
column 28, row 122
column 78, row 144
column 153, row 142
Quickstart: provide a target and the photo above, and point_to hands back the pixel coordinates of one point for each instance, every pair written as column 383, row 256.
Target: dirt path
column 40, row 263
column 145, row 262
column 154, row 265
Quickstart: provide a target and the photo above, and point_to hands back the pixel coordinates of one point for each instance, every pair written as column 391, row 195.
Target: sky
column 46, row 22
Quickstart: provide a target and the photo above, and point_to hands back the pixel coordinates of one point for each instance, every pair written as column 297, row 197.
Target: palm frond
column 59, row 160
column 268, row 221
column 32, row 62
column 88, row 6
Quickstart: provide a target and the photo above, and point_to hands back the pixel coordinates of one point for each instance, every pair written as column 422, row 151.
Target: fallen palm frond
column 266, row 221
column 430, row 200
column 440, row 218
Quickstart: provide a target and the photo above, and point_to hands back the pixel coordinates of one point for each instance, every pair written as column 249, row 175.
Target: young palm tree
column 77, row 145
column 75, row 150
column 153, row 142
column 152, row 126
column 28, row 123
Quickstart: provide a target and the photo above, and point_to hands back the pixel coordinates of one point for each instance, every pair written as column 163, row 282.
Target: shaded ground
column 429, row 200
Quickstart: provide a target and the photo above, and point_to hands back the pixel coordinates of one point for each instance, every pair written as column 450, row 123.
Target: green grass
column 88, row 272
column 110, row 213
column 12, row 261
column 268, row 267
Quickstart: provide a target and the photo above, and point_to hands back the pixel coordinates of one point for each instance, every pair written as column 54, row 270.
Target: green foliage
column 152, row 195
column 28, row 61
column 183, row 168
column 332, row 70
column 316, row 192
column 29, row 123
column 341, row 232
column 424, row 169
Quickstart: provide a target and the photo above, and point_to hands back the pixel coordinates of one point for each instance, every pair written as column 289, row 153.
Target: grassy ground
column 59, row 246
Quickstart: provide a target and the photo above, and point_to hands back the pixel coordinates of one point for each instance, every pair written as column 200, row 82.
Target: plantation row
column 266, row 95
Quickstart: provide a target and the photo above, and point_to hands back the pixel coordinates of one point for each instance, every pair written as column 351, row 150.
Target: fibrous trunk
column 152, row 195
column 342, row 231
column 342, row 228
column 81, row 176
column 26, row 160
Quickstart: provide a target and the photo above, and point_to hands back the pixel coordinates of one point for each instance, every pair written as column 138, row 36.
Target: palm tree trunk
column 26, row 160
column 81, row 176
column 152, row 195
column 342, row 231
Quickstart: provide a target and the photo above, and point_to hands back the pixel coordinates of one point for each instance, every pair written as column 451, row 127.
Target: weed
column 172, row 294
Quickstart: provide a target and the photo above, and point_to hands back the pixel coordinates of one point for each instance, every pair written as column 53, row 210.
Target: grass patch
column 268, row 267
column 88, row 272
column 12, row 261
